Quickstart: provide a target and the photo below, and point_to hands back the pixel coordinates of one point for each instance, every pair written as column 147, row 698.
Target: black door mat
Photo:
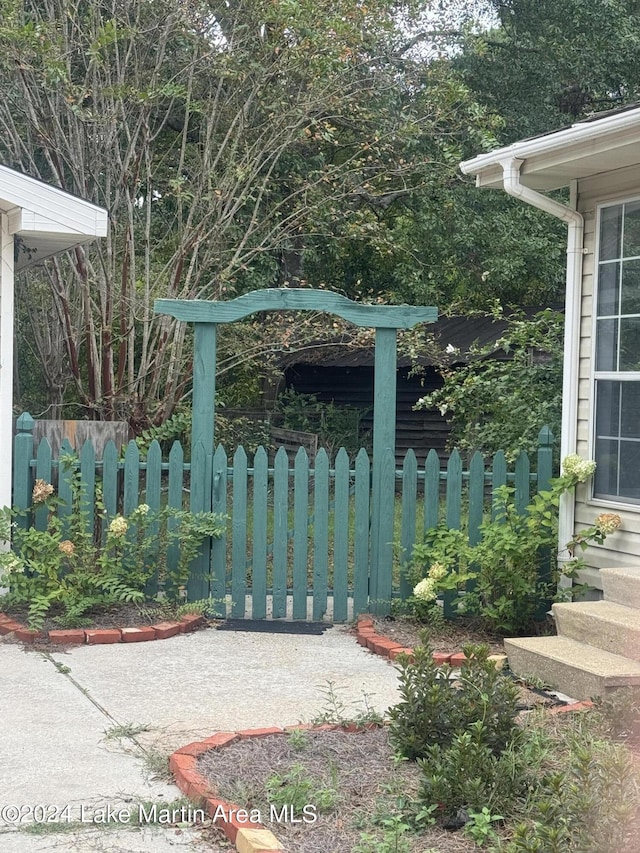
column 274, row 626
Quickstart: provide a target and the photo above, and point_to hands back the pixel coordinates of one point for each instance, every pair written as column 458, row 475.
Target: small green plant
column 480, row 826
column 393, row 838
column 336, row 712
column 581, row 802
column 72, row 562
column 294, row 788
column 298, row 739
column 125, row 730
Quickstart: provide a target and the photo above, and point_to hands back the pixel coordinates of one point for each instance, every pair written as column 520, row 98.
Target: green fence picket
column 361, row 534
column 341, row 537
column 408, row 527
column 476, row 497
column 453, row 514
column 239, row 535
column 431, row 491
column 110, row 488
column 88, row 487
column 300, row 533
column 174, row 498
column 521, row 496
column 259, row 562
column 65, row 490
column 43, row 472
column 153, row 485
column 131, row 478
column 218, row 584
column 280, row 527
column 320, row 534
column 384, row 586
column 498, row 478
column 22, row 471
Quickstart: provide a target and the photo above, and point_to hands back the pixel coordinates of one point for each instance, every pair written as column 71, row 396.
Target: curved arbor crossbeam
column 385, row 319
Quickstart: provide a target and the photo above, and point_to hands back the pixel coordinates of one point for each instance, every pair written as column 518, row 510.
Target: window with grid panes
column 617, row 355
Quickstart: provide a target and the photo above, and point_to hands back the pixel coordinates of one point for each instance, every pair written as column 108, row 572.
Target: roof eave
column 555, row 159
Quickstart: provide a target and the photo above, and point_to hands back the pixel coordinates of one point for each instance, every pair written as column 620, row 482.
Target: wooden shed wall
column 353, row 386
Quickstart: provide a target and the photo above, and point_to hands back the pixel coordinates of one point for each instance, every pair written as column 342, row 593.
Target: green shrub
column 466, row 775
column 68, row 567
column 434, row 709
column 585, row 807
column 512, row 569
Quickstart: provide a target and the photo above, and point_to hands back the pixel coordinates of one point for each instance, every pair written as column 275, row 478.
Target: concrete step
column 621, row 586
column 578, row 670
column 603, row 624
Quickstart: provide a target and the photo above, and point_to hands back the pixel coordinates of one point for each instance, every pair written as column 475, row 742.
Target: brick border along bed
column 232, row 819
column 380, row 645
column 95, row 636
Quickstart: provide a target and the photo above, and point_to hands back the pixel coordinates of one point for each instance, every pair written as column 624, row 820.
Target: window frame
column 623, row 502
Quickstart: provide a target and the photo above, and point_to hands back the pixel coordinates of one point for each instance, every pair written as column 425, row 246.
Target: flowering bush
column 509, row 569
column 62, row 567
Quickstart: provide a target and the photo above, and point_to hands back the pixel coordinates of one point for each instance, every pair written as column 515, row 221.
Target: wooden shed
column 341, row 372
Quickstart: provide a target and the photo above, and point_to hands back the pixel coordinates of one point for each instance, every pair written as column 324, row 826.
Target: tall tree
column 219, row 136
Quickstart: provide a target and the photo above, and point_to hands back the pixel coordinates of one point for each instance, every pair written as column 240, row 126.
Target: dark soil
column 356, row 768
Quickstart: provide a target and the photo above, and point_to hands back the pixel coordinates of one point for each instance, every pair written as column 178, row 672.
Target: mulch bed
column 449, row 637
column 358, row 766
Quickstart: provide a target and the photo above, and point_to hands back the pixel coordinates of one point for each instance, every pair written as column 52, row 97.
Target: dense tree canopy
column 222, row 138
column 245, row 143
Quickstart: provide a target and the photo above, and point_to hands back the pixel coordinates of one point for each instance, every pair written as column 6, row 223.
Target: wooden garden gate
column 386, row 320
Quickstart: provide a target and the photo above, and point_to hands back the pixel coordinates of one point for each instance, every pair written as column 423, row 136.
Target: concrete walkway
column 86, row 730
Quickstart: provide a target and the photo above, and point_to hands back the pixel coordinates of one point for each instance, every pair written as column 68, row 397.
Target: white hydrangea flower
column 437, row 571
column 576, row 466
column 118, row 526
column 142, row 509
column 425, row 590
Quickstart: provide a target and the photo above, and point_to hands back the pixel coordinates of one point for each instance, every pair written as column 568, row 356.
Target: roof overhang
column 556, row 159
column 45, row 219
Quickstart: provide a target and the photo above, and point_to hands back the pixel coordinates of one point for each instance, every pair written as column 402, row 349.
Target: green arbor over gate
column 386, row 320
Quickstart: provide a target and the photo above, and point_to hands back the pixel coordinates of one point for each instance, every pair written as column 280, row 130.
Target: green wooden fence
column 298, row 537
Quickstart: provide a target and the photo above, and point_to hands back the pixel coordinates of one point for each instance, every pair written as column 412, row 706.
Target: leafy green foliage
column 230, row 432
column 510, row 574
column 336, row 426
column 295, row 788
column 433, row 709
column 583, row 804
column 558, row 784
column 501, row 403
column 64, row 568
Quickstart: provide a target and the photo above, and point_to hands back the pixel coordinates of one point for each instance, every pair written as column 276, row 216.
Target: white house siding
column 6, row 358
column 623, row 547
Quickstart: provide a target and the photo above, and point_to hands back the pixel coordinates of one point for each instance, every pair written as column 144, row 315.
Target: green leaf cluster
column 67, row 567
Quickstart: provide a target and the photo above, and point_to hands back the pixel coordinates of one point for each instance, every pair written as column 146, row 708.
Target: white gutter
column 597, row 135
column 575, row 251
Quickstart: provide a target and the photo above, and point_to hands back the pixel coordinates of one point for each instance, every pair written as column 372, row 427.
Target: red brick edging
column 96, row 636
column 378, row 644
column 230, row 817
